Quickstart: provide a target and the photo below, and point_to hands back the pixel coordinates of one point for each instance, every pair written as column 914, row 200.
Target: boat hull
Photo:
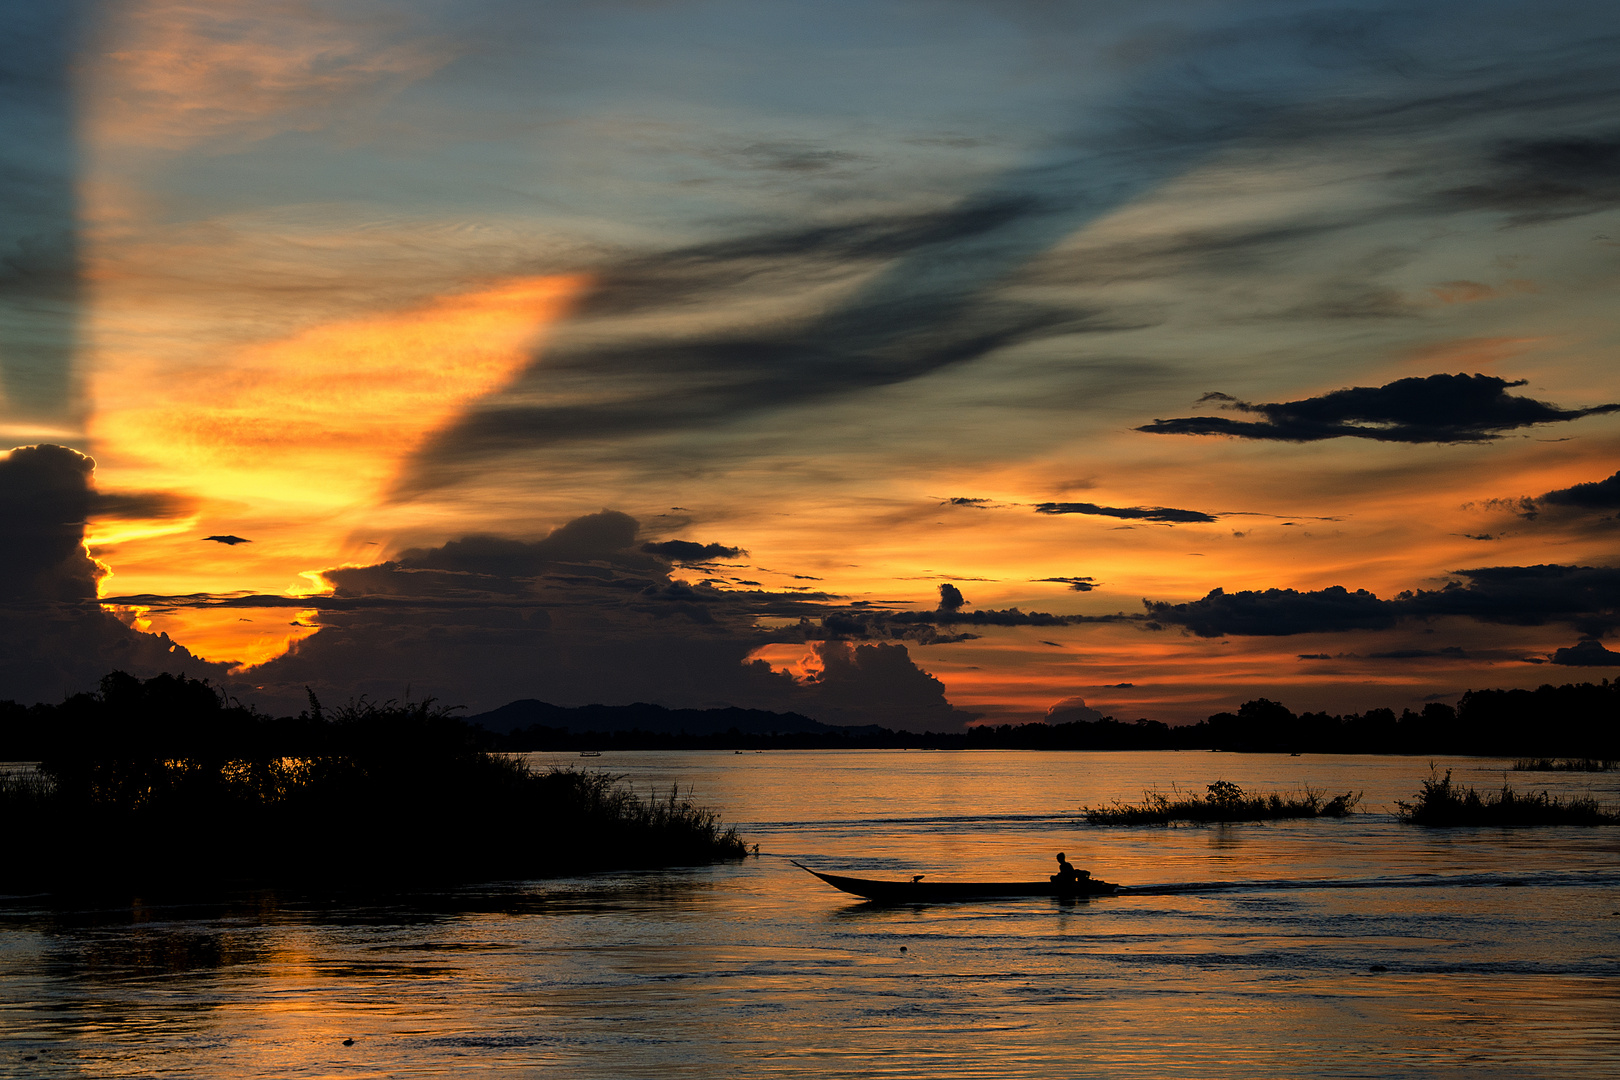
column 934, row 892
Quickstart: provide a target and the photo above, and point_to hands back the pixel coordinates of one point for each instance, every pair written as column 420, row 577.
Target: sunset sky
column 684, row 351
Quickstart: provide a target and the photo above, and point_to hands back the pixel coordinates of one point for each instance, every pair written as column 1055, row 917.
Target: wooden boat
column 918, row 891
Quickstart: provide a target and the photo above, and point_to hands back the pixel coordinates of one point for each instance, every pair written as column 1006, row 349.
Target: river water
column 1334, row 948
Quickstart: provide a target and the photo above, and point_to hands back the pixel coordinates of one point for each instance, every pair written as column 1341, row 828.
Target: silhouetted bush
column 1442, row 803
column 1223, row 801
column 164, row 781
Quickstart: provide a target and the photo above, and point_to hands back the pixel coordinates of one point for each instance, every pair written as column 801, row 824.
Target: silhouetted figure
column 348, row 1042
column 1067, row 876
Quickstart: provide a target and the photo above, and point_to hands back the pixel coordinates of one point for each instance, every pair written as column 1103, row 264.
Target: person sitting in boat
column 1067, row 874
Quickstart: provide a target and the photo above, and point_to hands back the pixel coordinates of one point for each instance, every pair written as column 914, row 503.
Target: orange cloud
column 245, row 637
column 323, row 419
column 291, row 443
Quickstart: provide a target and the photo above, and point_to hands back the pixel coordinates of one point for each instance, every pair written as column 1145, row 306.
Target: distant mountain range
column 1577, row 721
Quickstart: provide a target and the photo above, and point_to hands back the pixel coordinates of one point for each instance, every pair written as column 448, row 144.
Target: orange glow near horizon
column 293, row 443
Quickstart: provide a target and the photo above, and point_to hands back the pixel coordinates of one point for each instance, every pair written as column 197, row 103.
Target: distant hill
column 652, row 719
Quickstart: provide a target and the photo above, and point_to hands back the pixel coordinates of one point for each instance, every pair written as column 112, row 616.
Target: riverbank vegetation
column 1222, row 801
column 1444, row 804
column 1542, row 764
column 163, row 782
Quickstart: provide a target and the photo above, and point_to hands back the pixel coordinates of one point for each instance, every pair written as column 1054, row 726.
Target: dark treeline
column 180, row 717
column 1578, row 721
column 164, row 782
column 1106, row 734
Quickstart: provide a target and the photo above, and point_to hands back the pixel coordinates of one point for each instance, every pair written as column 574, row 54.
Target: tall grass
column 390, row 793
column 1545, row 764
column 1222, row 801
column 1444, row 804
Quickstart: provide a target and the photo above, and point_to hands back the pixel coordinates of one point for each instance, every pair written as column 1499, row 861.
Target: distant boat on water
column 590, row 753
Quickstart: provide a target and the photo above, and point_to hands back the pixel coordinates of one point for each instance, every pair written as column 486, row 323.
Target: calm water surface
column 1348, row 948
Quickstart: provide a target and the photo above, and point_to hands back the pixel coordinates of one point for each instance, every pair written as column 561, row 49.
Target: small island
column 164, row 782
column 1444, row 804
column 1223, row 801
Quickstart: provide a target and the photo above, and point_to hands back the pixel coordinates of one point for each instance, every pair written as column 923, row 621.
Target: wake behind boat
column 918, row 891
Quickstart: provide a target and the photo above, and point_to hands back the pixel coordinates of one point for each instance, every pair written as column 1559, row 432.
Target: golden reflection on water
column 1324, row 948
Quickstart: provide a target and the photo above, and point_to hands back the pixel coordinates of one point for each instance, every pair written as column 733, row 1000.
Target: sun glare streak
column 317, row 585
column 107, row 532
column 324, row 418
column 292, row 443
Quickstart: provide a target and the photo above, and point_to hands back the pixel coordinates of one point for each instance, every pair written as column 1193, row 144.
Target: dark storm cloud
column 686, row 551
column 1589, row 505
column 229, row 541
column 605, row 537
column 1275, row 612
column 1586, row 597
column 54, row 638
column 1436, row 409
column 1166, row 514
column 591, row 560
column 879, row 683
column 1597, row 495
column 950, row 598
column 1600, row 496
column 1588, row 653
column 1078, row 584
column 925, row 627
column 869, row 626
column 50, row 651
column 1071, row 710
column 580, row 616
column 45, row 496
